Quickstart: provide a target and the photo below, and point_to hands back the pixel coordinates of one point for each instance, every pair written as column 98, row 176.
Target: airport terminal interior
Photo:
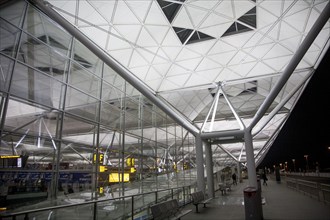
column 110, row 106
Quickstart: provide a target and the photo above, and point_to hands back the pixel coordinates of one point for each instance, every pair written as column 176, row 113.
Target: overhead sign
column 130, row 162
column 117, row 177
column 102, row 169
column 10, row 161
column 9, row 156
column 101, row 159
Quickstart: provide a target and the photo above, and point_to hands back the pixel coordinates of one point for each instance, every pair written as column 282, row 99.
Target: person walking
column 264, row 177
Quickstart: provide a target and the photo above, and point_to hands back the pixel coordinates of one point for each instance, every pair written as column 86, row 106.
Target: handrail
column 322, row 189
column 85, row 203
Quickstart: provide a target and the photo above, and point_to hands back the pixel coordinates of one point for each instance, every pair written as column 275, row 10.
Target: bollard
column 252, row 204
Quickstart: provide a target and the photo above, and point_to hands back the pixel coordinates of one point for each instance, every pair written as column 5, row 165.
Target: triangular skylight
column 185, row 35
column 198, row 36
column 182, row 33
column 250, row 18
column 246, row 23
column 170, row 9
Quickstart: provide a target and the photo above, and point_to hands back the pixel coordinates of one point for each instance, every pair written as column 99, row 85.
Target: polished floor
column 281, row 203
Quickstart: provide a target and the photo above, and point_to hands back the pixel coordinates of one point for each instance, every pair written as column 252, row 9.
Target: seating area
column 224, row 188
column 199, row 198
column 168, row 210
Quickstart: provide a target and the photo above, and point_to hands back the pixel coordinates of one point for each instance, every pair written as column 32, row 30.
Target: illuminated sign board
column 10, row 161
column 9, row 156
column 130, row 162
column 101, row 158
column 117, row 177
column 102, row 169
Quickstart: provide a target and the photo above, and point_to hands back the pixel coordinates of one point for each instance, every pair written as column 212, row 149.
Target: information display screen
column 10, row 161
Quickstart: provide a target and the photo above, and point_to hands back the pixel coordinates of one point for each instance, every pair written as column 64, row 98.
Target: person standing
column 70, row 189
column 234, row 177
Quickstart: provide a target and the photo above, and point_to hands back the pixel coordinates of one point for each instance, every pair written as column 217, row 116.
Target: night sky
column 307, row 131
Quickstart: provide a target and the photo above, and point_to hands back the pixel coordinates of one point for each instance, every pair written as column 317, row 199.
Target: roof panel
column 129, row 32
column 158, row 32
column 155, row 15
column 137, row 60
column 196, row 15
column 139, row 8
column 104, row 8
column 115, row 42
column 225, row 8
column 183, row 19
column 207, row 64
column 216, row 30
column 68, row 6
column 241, row 7
column 143, row 38
column 265, row 18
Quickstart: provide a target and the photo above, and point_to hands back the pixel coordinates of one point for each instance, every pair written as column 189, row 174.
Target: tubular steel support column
column 209, row 169
column 239, row 175
column 297, row 57
column 250, row 159
column 252, row 195
column 200, row 164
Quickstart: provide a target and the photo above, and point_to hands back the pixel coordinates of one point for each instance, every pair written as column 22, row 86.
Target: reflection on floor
column 280, row 203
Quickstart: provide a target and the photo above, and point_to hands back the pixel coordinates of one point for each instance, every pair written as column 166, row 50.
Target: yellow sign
column 101, row 157
column 117, row 177
column 9, row 156
column 102, row 169
column 101, row 189
column 133, row 170
column 130, row 162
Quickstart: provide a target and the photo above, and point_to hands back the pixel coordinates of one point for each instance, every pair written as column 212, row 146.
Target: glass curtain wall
column 72, row 129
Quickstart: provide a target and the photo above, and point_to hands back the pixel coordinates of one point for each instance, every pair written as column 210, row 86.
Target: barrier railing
column 124, row 207
column 316, row 190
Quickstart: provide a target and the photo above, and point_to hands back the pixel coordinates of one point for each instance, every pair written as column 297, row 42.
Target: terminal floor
column 281, row 203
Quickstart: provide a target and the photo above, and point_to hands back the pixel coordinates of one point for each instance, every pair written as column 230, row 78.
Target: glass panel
column 84, row 80
column 132, row 123
column 142, row 204
column 21, row 113
column 37, row 54
column 9, row 36
column 46, row 31
column 81, row 212
column 114, row 209
column 81, row 104
column 6, row 68
column 111, row 77
column 132, row 92
column 76, row 160
column 30, row 84
column 111, row 94
column 80, row 132
column 147, row 117
column 87, row 59
column 13, row 11
column 110, row 116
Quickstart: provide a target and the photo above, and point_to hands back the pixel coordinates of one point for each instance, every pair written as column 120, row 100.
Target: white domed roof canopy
column 215, row 62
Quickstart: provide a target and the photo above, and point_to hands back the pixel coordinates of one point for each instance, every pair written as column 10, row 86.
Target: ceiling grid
column 183, row 49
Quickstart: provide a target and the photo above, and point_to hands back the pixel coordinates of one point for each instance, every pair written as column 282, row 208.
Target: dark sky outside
column 307, row 131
